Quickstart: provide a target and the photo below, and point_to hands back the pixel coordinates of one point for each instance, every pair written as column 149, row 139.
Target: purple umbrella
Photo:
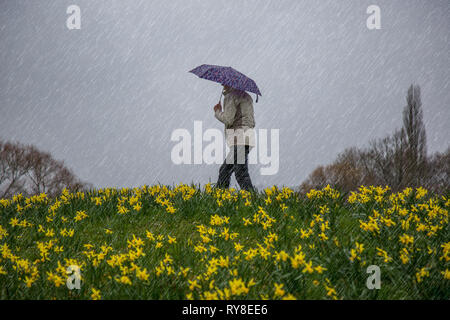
column 227, row 76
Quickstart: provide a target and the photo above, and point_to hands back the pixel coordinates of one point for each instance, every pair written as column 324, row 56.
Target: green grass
column 429, row 251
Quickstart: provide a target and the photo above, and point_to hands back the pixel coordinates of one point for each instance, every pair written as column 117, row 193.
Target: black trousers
column 237, row 162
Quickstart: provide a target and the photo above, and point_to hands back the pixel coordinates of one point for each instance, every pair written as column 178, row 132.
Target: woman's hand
column 218, row 107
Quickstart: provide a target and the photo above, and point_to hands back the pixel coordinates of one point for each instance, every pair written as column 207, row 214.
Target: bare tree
column 398, row 160
column 384, row 160
column 346, row 173
column 14, row 166
column 416, row 149
column 25, row 169
column 399, row 145
column 438, row 177
column 316, row 180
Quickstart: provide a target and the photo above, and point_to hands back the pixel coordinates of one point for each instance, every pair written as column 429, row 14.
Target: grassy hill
column 159, row 242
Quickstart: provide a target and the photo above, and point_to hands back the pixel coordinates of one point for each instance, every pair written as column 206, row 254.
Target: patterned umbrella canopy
column 227, row 76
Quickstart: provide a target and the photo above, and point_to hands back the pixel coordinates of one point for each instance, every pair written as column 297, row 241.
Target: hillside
column 159, row 242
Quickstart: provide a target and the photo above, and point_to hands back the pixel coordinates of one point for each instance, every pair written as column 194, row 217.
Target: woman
column 239, row 121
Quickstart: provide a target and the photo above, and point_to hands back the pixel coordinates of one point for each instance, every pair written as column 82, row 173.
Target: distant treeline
column 27, row 170
column 399, row 160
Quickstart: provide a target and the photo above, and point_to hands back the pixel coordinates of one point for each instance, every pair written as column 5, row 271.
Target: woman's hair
column 240, row 93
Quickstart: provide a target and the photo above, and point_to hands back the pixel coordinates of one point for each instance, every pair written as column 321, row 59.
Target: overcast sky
column 106, row 98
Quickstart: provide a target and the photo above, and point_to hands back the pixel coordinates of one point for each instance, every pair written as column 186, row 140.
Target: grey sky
column 106, row 98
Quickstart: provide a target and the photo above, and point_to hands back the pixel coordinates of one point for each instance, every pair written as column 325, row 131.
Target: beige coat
column 238, row 118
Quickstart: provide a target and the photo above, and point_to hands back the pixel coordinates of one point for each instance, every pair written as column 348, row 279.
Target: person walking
column 238, row 117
